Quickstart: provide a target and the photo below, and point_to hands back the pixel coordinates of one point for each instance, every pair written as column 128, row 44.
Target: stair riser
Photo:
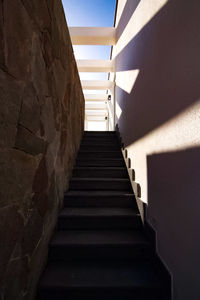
column 100, row 252
column 100, row 142
column 97, row 172
column 100, row 163
column 94, row 155
column 99, row 223
column 101, row 137
column 140, row 293
column 100, row 147
column 97, row 201
column 100, row 133
column 99, row 185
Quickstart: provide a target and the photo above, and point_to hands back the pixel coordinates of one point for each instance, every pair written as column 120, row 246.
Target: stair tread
column 99, row 168
column 117, row 162
column 101, row 139
column 99, row 154
column 100, row 275
column 99, row 237
column 98, row 212
column 99, row 132
column 100, row 179
column 100, row 198
column 100, row 158
column 100, row 151
column 101, row 193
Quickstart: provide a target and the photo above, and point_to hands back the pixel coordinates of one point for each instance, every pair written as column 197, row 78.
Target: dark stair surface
column 100, row 250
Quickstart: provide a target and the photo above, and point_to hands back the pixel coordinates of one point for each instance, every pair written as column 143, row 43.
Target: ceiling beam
column 96, row 97
column 85, row 65
column 93, row 35
column 99, row 106
column 96, row 84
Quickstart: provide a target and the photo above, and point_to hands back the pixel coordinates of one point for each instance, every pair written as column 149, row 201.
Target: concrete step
column 98, row 244
column 99, row 147
column 100, row 162
column 105, row 172
column 99, row 199
column 99, row 218
column 119, row 280
column 99, row 133
column 100, row 141
column 122, row 184
column 100, row 137
column 99, row 154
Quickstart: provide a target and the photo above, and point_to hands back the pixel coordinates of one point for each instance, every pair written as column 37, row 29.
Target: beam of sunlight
column 126, row 79
column 179, row 133
column 120, row 10
column 118, row 110
column 145, row 11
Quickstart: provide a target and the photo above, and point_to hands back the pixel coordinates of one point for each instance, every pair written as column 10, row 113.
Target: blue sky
column 95, row 13
column 89, row 12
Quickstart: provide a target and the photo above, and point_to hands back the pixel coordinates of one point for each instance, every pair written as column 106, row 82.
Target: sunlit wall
column 158, row 112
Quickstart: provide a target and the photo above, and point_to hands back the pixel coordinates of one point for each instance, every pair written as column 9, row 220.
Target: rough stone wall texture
column 41, row 124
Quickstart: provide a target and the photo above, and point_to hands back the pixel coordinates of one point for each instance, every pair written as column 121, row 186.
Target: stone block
column 38, row 12
column 30, row 110
column 38, row 70
column 18, row 31
column 2, row 58
column 48, row 49
column 17, row 172
column 49, row 119
column 28, row 142
column 60, row 78
column 10, row 103
column 32, row 233
column 16, row 277
column 11, row 226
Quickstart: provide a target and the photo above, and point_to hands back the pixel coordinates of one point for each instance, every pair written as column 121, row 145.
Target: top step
column 99, row 133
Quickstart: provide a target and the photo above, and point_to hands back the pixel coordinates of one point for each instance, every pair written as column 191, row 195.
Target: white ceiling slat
column 96, row 97
column 96, row 113
column 96, row 84
column 93, row 35
column 95, row 106
column 85, row 65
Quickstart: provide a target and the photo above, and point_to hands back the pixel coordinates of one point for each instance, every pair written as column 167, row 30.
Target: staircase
column 100, row 250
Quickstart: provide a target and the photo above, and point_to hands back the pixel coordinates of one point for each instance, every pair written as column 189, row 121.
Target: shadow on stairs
column 100, row 250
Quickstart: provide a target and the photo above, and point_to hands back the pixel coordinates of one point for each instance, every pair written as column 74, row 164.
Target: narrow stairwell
column 100, row 250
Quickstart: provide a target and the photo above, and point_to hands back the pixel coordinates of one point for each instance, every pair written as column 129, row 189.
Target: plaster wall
column 158, row 114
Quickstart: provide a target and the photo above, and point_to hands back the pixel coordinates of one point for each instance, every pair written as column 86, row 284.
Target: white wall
column 158, row 114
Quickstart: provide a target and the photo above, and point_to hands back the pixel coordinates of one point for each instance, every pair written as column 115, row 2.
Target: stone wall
column 41, row 124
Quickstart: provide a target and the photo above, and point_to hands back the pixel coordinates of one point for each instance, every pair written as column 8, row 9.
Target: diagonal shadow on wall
column 174, row 193
column 165, row 51
column 128, row 11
